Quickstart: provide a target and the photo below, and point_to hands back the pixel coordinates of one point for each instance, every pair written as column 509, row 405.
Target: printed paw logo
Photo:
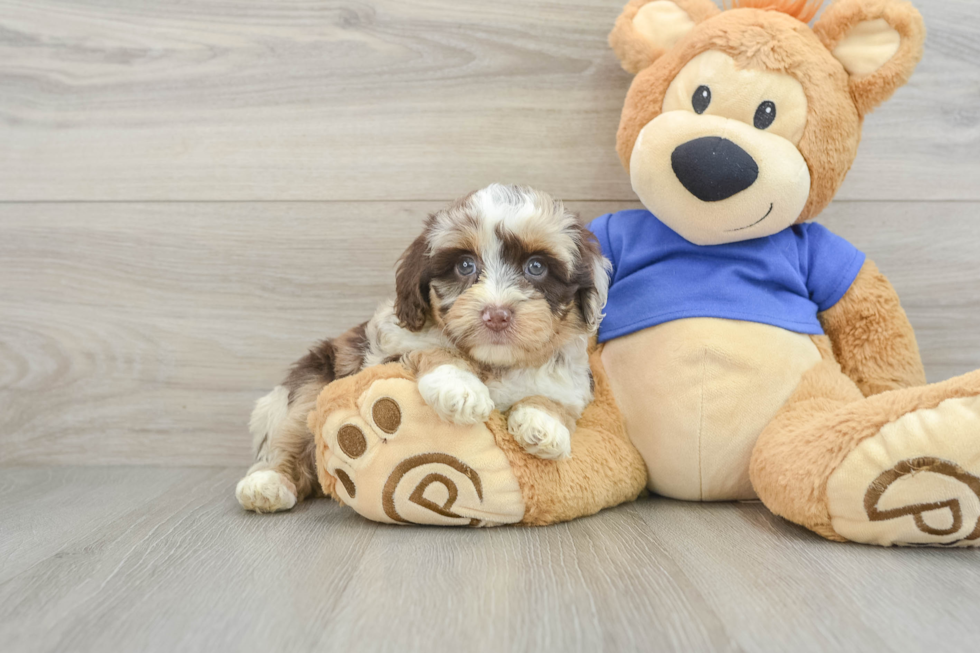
column 442, row 482
column 940, row 518
column 397, row 461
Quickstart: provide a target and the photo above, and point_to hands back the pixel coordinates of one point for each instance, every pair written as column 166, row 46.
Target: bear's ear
column 648, row 28
column 879, row 43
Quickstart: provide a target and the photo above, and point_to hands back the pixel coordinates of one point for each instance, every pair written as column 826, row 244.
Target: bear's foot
column 916, row 482
column 396, row 461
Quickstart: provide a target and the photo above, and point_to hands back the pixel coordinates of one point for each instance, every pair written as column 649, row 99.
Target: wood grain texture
column 386, row 99
column 143, row 333
column 44, row 508
column 138, row 323
column 188, row 570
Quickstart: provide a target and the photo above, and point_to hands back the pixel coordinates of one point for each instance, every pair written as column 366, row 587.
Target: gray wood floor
column 151, row 559
column 192, row 192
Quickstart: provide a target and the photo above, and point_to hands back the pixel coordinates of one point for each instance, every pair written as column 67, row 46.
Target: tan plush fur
column 823, row 422
column 869, row 91
column 342, row 394
column 771, row 41
column 872, row 337
column 802, row 10
column 870, row 374
column 634, row 51
column 605, row 469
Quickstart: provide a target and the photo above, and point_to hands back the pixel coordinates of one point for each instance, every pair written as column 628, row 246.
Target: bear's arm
column 872, row 338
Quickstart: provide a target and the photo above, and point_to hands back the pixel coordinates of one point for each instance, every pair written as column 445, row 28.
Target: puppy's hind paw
column 539, row 433
column 456, row 395
column 266, row 491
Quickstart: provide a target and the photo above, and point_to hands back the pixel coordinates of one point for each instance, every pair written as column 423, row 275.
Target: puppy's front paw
column 456, row 395
column 539, row 433
column 266, row 491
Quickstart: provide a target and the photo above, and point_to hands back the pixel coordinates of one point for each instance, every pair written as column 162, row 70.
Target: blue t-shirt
column 783, row 280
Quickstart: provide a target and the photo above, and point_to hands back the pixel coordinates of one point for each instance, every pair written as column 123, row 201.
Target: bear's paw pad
column 914, row 483
column 397, row 461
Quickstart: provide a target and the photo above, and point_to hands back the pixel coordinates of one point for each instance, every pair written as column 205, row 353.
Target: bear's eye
column 764, row 115
column 701, row 99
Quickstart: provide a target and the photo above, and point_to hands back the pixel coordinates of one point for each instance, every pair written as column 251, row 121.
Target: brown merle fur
column 328, row 360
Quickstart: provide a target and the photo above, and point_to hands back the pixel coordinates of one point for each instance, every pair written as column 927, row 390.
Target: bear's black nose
column 713, row 168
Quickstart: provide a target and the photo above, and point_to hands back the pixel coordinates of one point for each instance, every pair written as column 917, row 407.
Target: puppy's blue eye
column 535, row 267
column 466, row 266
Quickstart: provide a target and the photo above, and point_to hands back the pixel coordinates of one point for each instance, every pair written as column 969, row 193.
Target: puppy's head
column 507, row 273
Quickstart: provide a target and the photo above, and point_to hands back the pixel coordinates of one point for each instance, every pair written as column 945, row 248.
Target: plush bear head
column 742, row 122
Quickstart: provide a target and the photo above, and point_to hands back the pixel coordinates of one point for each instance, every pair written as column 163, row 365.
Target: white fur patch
column 564, row 379
column 539, row 433
column 386, row 338
column 499, row 283
column 456, row 395
column 601, row 269
column 269, row 413
column 265, row 491
column 520, row 210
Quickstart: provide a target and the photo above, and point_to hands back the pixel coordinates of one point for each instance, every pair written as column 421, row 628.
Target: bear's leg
column 383, row 451
column 898, row 468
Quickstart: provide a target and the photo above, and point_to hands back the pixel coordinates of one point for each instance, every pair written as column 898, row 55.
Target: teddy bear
column 746, row 352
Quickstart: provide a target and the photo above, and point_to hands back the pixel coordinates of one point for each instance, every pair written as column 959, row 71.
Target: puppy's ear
column 648, row 28
column 412, row 285
column 878, row 43
column 593, row 278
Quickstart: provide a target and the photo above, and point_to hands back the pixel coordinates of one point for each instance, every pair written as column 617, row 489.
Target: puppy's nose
column 713, row 169
column 496, row 318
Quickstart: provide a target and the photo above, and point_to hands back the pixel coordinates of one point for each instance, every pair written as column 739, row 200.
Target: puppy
column 495, row 304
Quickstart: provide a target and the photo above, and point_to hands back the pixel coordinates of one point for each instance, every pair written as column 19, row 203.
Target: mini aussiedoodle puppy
column 495, row 304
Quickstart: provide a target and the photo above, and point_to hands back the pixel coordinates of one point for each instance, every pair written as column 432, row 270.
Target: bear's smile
column 759, row 221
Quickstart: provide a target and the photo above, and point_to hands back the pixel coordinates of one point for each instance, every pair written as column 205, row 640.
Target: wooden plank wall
column 190, row 193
